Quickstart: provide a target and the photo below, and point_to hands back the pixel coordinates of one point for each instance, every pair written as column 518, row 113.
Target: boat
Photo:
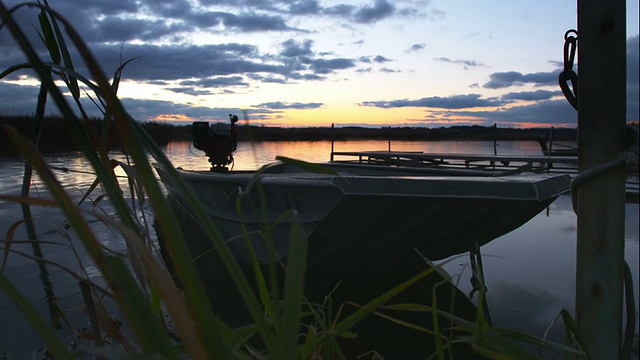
column 356, row 213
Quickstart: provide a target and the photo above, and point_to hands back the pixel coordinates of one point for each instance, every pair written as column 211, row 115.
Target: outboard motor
column 217, row 140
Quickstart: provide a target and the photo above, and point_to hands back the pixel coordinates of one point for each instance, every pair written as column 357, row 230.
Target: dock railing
column 540, row 164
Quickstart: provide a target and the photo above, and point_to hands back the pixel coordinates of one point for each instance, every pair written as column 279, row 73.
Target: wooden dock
column 475, row 164
column 525, row 163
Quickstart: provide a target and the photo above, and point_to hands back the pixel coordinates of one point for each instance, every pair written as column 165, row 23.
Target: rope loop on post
column 567, row 75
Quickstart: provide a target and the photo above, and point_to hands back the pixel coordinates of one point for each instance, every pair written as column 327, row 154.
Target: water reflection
column 530, row 272
column 252, row 155
column 524, row 307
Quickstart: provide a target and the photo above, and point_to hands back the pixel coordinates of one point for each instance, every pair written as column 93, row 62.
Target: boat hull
column 364, row 230
column 354, row 217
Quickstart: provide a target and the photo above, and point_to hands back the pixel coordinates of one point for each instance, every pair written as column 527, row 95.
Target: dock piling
column 601, row 212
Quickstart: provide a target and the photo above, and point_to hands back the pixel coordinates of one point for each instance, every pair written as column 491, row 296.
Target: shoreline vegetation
column 54, row 129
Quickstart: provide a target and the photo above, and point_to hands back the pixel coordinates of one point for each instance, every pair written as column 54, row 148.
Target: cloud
column 174, row 8
column 381, row 9
column 323, row 66
column 513, row 78
column 295, row 61
column 117, row 29
column 451, row 102
column 417, row 47
column 216, row 82
column 340, row 10
column 436, row 14
column 161, row 30
column 150, row 109
column 542, row 114
column 292, row 48
column 381, row 59
column 466, row 63
column 306, row 7
column 507, row 79
column 253, row 22
column 378, row 59
column 545, row 113
column 267, row 79
column 531, row 95
column 189, row 91
column 279, row 105
column 187, row 61
column 463, row 109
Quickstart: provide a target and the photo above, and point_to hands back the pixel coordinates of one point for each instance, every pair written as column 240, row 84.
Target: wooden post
column 332, row 139
column 600, row 206
column 495, row 139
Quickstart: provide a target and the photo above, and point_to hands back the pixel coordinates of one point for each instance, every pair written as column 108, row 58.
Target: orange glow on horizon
column 343, row 115
column 363, row 116
column 172, row 117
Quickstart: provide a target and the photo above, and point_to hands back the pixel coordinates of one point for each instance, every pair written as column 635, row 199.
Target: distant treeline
column 55, row 135
column 402, row 133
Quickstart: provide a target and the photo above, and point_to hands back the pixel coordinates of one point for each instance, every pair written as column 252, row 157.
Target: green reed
column 287, row 325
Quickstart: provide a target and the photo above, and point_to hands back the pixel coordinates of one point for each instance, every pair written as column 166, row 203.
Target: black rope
column 590, row 174
column 567, row 74
column 627, row 343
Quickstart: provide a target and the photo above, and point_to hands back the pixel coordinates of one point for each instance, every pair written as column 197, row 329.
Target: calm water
column 529, row 272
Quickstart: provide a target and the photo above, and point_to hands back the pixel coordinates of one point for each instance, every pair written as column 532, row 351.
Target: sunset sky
column 316, row 62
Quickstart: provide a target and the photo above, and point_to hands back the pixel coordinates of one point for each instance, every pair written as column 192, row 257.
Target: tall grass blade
column 351, row 320
column 13, row 68
column 492, row 345
column 559, row 349
column 8, row 241
column 307, row 166
column 571, row 330
column 47, row 37
column 56, row 44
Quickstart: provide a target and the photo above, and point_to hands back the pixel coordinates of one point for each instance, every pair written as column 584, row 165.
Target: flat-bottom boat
column 356, row 214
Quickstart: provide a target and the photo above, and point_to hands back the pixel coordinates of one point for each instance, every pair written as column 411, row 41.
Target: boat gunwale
column 530, row 184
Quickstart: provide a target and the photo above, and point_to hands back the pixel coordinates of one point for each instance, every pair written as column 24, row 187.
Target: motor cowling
column 217, row 140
